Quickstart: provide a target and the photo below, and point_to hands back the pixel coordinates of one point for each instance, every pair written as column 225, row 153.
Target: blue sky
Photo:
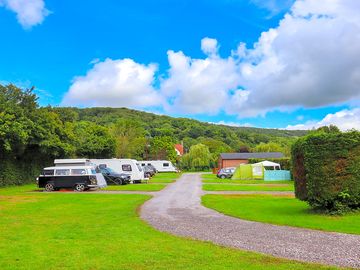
column 189, row 58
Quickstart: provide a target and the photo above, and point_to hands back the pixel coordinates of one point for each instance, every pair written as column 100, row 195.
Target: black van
column 79, row 178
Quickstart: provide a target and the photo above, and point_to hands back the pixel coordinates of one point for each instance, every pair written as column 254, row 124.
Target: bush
column 326, row 170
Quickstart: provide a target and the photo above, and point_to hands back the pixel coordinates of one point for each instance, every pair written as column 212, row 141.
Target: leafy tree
column 93, row 141
column 268, row 147
column 198, row 158
column 163, row 148
column 130, row 138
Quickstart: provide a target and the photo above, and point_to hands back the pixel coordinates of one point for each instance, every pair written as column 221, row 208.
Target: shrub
column 326, row 170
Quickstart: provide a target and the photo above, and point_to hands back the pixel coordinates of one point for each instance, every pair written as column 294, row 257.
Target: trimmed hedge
column 285, row 163
column 326, row 170
column 14, row 171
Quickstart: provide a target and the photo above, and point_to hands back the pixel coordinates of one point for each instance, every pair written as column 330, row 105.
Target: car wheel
column 79, row 187
column 222, row 176
column 49, row 187
column 119, row 181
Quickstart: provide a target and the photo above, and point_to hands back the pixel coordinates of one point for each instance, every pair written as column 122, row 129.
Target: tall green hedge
column 326, row 170
column 20, row 171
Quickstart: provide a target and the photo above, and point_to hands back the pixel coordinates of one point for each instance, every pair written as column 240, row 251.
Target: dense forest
column 31, row 136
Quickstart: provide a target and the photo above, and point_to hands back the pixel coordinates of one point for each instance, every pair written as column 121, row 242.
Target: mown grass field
column 227, row 187
column 137, row 187
column 164, row 177
column 211, row 178
column 281, row 210
column 97, row 231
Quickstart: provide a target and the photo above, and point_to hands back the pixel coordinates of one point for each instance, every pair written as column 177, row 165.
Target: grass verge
column 211, row 178
column 137, row 187
column 281, row 210
column 227, row 187
column 165, row 177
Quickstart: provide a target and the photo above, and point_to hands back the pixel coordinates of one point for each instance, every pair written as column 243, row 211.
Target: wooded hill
column 188, row 131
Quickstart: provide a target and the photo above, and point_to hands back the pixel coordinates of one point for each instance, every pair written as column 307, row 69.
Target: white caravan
column 160, row 165
column 127, row 166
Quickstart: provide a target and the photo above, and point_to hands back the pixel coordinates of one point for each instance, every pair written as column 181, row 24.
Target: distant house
column 235, row 159
column 179, row 149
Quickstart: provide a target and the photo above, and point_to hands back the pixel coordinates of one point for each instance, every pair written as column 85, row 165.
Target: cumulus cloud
column 232, row 124
column 199, row 85
column 28, row 12
column 345, row 120
column 115, row 83
column 310, row 60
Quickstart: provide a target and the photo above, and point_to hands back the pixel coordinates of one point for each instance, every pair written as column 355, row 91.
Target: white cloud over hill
column 345, row 120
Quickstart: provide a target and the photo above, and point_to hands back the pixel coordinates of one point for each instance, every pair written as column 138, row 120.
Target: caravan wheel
column 79, row 187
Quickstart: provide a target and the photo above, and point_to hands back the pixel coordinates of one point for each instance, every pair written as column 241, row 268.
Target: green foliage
column 93, row 141
column 130, row 138
column 198, row 158
column 163, row 148
column 326, row 169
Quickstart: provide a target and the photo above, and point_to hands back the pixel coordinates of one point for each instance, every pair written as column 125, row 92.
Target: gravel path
column 177, row 209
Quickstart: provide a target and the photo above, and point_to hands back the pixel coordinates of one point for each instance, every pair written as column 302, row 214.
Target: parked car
column 113, row 177
column 79, row 178
column 225, row 173
column 149, row 171
column 127, row 166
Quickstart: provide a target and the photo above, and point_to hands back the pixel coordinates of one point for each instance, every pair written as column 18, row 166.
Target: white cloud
column 199, row 85
column 273, row 6
column 232, row 124
column 28, row 12
column 209, row 46
column 345, row 120
column 115, row 83
column 310, row 60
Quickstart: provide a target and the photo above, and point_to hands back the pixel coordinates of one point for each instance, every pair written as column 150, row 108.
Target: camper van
column 78, row 177
column 127, row 166
column 160, row 165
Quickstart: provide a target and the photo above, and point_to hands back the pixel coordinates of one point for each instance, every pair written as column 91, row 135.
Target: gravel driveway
column 177, row 209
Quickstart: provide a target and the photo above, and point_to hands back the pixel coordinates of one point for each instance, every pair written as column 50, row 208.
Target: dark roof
column 264, row 155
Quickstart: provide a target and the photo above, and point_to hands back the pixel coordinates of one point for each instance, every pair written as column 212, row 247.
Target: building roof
column 179, row 149
column 264, row 155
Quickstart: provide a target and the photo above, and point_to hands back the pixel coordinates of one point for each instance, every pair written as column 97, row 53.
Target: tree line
column 30, row 132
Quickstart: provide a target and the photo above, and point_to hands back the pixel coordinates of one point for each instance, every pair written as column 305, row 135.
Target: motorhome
column 127, row 166
column 160, row 165
column 77, row 177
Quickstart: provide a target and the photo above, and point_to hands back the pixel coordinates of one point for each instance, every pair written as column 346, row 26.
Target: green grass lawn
column 281, row 210
column 164, row 177
column 96, row 231
column 137, row 187
column 211, row 178
column 227, row 187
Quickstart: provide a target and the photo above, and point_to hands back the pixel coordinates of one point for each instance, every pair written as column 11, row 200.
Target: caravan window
column 126, row 168
column 62, row 172
column 166, row 165
column 48, row 172
column 143, row 164
column 78, row 171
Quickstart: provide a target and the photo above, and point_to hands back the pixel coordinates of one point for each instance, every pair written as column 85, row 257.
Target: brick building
column 235, row 159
